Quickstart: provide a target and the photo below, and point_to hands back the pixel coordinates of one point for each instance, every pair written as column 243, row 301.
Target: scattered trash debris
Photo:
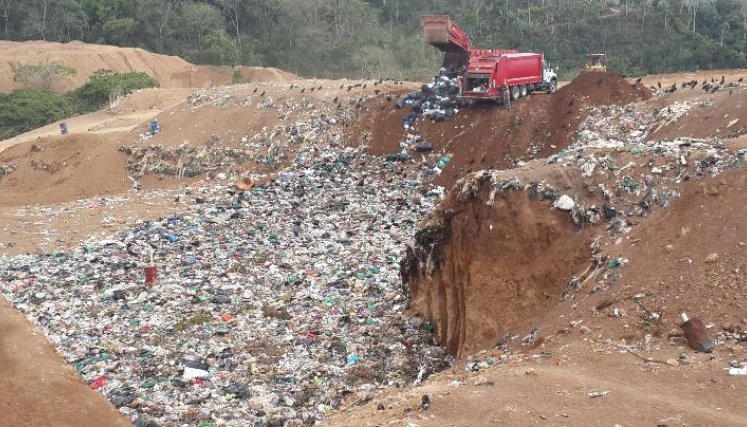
column 437, row 101
column 595, row 394
column 564, row 203
column 738, row 370
column 425, row 402
column 696, row 334
column 6, row 169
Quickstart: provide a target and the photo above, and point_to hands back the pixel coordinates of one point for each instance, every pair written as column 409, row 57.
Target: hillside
column 86, row 59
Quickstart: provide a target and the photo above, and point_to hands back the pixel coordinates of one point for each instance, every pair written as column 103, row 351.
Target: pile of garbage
column 181, row 161
column 437, row 101
column 268, row 306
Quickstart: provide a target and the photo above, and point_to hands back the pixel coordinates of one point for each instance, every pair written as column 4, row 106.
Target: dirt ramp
column 482, row 266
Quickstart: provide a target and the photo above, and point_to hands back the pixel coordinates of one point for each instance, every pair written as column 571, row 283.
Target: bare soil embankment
column 86, row 58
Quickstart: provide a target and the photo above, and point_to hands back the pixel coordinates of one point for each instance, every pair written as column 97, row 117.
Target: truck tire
column 523, row 90
column 553, row 86
column 504, row 98
column 515, row 93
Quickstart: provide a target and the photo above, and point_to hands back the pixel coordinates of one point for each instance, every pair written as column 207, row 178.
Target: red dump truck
column 490, row 74
column 514, row 75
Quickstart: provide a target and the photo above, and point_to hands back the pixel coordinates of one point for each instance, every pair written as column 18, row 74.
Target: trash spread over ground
column 277, row 304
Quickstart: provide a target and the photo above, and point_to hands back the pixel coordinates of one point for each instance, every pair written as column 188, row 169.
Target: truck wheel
column 523, row 90
column 504, row 98
column 553, row 86
column 515, row 93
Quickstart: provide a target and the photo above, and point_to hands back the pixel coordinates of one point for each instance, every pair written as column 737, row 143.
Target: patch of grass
column 198, row 319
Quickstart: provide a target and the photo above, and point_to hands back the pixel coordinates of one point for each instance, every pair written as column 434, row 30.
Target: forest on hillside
column 381, row 38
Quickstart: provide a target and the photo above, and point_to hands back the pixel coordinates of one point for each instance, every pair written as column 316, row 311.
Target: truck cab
column 549, row 77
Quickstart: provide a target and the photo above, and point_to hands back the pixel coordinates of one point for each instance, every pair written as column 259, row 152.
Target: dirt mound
column 170, row 71
column 488, row 136
column 602, row 88
column 57, row 169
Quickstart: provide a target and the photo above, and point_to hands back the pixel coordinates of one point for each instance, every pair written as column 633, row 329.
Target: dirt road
column 557, row 390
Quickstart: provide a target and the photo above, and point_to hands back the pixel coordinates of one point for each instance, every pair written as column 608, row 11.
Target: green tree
column 46, row 76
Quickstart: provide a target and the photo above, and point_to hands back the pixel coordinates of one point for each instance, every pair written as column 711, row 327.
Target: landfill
column 272, row 306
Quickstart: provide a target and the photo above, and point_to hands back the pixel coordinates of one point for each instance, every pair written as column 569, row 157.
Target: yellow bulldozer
column 596, row 62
